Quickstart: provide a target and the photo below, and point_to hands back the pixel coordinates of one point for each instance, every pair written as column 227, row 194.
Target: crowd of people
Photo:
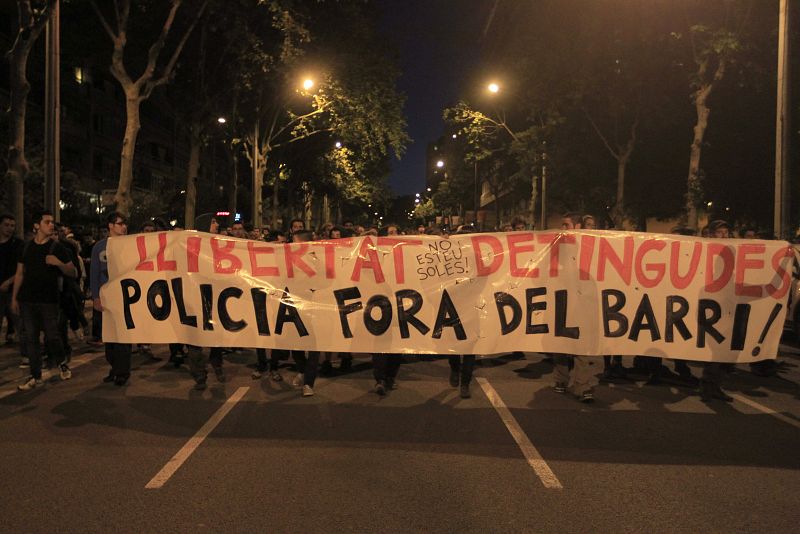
column 45, row 279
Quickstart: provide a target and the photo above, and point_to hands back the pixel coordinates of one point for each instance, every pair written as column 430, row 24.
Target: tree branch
column 158, row 45
column 177, row 52
column 40, row 22
column 298, row 119
column 301, row 137
column 600, row 135
column 104, row 22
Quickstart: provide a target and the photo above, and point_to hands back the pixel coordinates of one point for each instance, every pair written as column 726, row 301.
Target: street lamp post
column 782, row 190
column 52, row 145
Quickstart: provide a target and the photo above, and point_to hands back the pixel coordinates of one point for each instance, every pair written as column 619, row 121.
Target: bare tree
column 140, row 89
column 31, row 23
column 714, row 49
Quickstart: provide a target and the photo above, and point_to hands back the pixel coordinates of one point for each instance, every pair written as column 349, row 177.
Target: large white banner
column 576, row 292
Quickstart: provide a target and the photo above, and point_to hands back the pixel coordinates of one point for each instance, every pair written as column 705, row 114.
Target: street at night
column 400, row 266
column 79, row 455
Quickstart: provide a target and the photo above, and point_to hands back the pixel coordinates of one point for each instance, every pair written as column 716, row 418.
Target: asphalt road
column 76, row 456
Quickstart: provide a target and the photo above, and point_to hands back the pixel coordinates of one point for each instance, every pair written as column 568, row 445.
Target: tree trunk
column 275, row 186
column 258, row 197
column 17, row 163
column 29, row 30
column 123, row 197
column 308, row 196
column 497, row 208
column 618, row 214
column 195, row 142
column 694, row 185
column 532, row 205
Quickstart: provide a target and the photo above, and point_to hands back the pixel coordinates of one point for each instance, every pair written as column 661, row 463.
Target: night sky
column 439, row 43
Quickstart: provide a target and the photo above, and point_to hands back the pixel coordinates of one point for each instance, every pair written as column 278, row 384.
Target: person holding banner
column 307, row 363
column 197, row 365
column 461, row 372
column 384, row 369
column 583, row 377
column 118, row 355
column 711, row 378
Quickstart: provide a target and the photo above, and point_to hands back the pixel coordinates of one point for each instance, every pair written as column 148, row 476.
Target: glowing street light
column 429, row 190
column 222, row 120
column 417, row 195
column 338, row 144
column 493, row 87
column 440, row 164
column 308, row 83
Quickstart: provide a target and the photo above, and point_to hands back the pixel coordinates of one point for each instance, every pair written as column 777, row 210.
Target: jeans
column 263, row 364
column 5, row 311
column 463, row 365
column 197, row 361
column 583, row 376
column 38, row 317
column 118, row 356
column 385, row 366
column 307, row 365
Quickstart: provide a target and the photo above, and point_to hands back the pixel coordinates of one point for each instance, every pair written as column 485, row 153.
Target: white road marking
column 769, row 411
column 530, row 452
column 182, row 455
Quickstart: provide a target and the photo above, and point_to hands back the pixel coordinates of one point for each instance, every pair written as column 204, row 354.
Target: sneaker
column 176, row 360
column 30, row 384
column 587, row 397
column 121, row 380
column 391, row 383
column 80, row 335
column 200, row 385
column 454, row 379
column 276, row 376
column 380, row 388
column 110, row 378
column 220, row 374
column 298, row 380
column 346, row 365
column 465, row 394
column 25, row 363
column 256, row 374
column 560, row 387
column 65, row 373
column 308, row 391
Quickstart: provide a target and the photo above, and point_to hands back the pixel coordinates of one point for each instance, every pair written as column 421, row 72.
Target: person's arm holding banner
column 94, row 282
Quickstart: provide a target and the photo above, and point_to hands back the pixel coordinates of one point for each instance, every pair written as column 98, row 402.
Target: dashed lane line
column 182, row 455
column 531, row 453
column 769, row 411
